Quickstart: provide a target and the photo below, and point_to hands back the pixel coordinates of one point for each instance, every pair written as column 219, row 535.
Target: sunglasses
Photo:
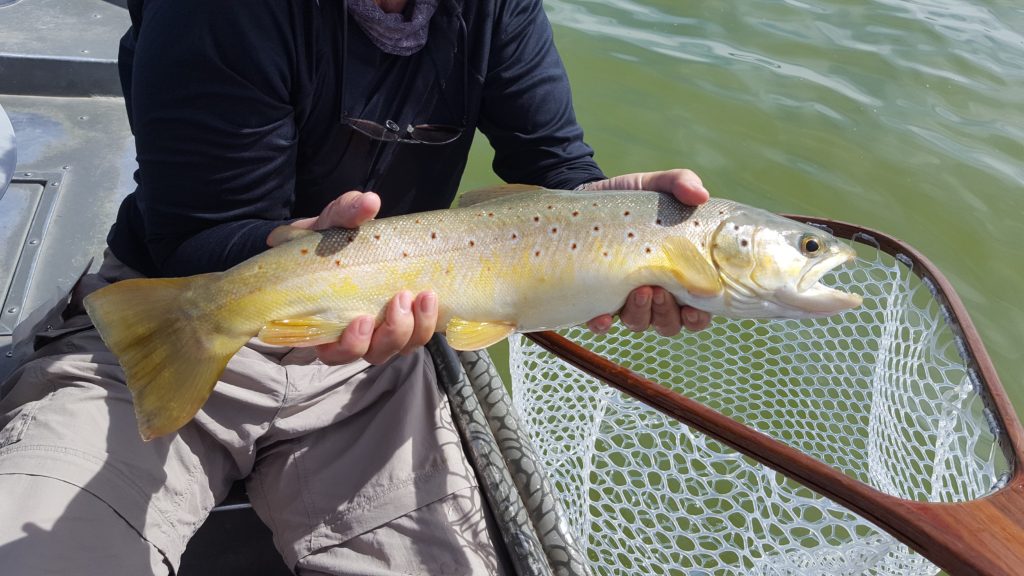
column 391, row 131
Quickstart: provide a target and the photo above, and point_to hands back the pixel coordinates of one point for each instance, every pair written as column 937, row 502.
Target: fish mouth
column 817, row 299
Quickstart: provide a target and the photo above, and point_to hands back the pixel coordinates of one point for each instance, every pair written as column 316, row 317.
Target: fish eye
column 810, row 245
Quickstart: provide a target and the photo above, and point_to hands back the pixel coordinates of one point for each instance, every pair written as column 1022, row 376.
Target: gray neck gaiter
column 392, row 33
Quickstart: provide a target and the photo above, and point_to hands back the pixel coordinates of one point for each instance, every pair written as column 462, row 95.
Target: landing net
column 883, row 393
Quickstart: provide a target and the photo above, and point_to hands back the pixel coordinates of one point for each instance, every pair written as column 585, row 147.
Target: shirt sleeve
column 210, row 100
column 527, row 111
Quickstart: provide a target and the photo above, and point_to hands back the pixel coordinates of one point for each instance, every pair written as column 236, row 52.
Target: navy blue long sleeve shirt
column 235, row 108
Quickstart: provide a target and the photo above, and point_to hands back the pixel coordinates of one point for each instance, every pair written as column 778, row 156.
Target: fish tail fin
column 171, row 356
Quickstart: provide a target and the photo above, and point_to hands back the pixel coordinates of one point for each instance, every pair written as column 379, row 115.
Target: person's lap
column 355, row 469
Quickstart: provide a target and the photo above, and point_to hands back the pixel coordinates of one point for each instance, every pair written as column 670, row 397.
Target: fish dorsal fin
column 286, row 233
column 690, row 268
column 470, row 335
column 298, row 332
column 482, row 195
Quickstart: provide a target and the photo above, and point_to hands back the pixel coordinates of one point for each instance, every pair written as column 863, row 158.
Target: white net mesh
column 881, row 393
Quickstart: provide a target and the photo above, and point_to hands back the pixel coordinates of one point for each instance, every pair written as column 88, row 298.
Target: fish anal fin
column 690, row 268
column 470, row 335
column 300, row 332
column 287, row 233
column 482, row 195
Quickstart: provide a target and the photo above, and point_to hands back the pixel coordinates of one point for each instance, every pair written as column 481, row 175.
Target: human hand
column 409, row 321
column 651, row 305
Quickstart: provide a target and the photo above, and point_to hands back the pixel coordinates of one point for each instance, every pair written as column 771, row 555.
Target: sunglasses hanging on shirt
column 391, row 131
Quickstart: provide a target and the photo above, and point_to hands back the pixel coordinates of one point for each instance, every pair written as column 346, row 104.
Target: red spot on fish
column 514, row 236
column 648, row 249
column 575, row 213
column 536, row 218
column 376, row 236
column 490, row 214
column 605, row 254
column 537, row 253
column 573, row 245
column 626, row 213
column 550, row 207
column 417, row 220
column 630, row 235
column 472, row 243
column 337, row 262
column 433, row 235
column 405, row 254
column 304, row 251
column 554, row 230
column 596, row 228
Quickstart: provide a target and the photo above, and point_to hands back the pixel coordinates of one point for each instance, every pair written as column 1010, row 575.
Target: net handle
column 983, row 536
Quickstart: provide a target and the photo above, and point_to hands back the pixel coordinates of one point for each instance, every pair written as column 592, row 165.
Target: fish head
column 771, row 267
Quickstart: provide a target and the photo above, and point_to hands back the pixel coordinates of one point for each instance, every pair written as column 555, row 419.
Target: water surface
column 901, row 116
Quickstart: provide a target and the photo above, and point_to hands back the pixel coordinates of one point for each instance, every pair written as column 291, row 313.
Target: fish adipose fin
column 482, row 195
column 171, row 357
column 469, row 335
column 689, row 267
column 310, row 331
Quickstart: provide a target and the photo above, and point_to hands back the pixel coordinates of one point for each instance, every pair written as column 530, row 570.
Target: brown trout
column 505, row 261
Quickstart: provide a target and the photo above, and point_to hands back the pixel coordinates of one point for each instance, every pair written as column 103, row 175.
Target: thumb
column 349, row 210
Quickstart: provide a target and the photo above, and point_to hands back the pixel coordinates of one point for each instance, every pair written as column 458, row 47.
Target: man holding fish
column 249, row 116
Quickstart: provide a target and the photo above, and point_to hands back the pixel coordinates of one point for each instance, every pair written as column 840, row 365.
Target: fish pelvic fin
column 171, row 357
column 467, row 335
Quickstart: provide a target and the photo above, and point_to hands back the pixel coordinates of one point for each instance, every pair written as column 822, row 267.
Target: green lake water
column 903, row 116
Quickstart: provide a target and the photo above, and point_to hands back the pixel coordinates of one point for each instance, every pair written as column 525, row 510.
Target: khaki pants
column 356, row 469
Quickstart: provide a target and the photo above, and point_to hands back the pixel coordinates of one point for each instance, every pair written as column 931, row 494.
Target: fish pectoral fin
column 299, row 332
column 286, row 233
column 691, row 269
column 493, row 193
column 469, row 335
